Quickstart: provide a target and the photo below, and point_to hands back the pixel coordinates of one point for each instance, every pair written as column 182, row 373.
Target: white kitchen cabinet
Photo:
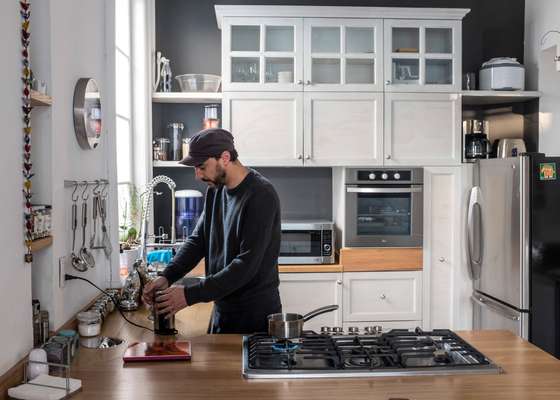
column 382, row 296
column 304, row 292
column 267, row 127
column 447, row 285
column 262, row 54
column 343, row 54
column 422, row 55
column 422, row 129
column 343, row 129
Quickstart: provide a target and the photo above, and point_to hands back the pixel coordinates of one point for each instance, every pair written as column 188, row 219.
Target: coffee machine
column 475, row 140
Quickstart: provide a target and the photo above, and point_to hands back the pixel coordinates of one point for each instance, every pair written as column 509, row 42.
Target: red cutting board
column 158, row 351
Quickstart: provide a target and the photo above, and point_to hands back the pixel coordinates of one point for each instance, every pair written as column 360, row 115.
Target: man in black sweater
column 238, row 235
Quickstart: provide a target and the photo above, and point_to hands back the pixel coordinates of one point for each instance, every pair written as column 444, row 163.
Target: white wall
column 68, row 42
column 15, row 280
column 540, row 17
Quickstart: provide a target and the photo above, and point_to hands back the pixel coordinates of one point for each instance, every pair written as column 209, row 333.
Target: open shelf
column 42, row 243
column 168, row 164
column 187, row 97
column 39, row 99
column 496, row 97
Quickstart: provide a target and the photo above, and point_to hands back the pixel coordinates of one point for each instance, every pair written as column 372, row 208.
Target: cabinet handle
column 308, row 82
column 339, row 282
column 308, row 157
column 387, row 83
column 383, row 297
column 300, row 157
column 388, row 156
column 442, row 259
column 300, row 82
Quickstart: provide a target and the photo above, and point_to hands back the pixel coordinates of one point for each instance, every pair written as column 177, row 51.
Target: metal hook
column 85, row 196
column 96, row 190
column 104, row 193
column 75, row 199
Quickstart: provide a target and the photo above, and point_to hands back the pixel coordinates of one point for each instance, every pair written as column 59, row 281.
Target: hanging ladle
column 77, row 262
column 85, row 255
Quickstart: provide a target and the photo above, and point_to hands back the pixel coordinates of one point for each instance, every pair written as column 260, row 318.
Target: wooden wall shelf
column 42, row 243
column 41, row 100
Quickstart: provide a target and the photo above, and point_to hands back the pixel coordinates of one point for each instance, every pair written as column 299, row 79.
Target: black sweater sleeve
column 189, row 255
column 257, row 223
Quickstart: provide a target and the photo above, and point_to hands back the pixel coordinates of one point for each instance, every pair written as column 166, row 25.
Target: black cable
column 68, row 277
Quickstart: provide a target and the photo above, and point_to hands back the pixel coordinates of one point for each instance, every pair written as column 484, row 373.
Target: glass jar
column 211, row 116
column 89, row 323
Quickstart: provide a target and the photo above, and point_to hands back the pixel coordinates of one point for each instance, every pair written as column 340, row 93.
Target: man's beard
column 220, row 178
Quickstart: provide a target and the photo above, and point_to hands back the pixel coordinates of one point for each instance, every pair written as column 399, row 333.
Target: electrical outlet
column 62, row 262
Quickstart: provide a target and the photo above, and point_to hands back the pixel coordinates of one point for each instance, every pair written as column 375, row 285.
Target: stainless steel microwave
column 307, row 242
column 384, row 207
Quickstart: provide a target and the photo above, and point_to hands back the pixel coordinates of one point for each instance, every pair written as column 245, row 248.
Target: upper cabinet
column 422, row 56
column 343, row 54
column 295, row 54
column 262, row 54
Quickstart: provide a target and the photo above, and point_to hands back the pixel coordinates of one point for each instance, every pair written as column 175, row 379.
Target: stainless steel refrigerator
column 513, row 234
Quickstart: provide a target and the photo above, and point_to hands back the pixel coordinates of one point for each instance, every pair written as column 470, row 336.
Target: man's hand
column 160, row 283
column 171, row 300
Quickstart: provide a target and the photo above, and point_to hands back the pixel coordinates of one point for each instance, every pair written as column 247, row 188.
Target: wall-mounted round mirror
column 87, row 113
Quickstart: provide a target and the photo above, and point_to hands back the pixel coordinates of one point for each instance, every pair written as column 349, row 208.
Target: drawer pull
column 383, row 297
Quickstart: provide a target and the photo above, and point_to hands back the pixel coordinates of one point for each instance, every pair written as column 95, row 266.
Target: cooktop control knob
column 337, row 330
column 384, row 176
column 353, row 330
column 325, row 330
column 397, row 176
column 371, row 176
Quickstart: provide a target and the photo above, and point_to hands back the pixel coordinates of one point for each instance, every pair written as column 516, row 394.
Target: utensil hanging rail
column 70, row 183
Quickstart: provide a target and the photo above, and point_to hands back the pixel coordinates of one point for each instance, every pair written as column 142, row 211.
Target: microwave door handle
column 383, row 190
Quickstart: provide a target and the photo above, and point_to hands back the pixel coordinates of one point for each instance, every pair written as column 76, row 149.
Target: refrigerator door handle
column 498, row 308
column 475, row 240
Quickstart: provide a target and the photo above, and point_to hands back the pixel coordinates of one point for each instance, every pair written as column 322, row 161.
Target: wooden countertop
column 215, row 373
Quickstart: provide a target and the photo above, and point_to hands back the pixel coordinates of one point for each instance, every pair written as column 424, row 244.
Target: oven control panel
column 384, row 175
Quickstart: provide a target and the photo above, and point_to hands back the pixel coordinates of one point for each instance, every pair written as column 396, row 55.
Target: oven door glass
column 384, row 214
column 300, row 244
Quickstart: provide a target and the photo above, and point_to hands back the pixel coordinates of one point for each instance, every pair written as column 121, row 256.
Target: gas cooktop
column 398, row 352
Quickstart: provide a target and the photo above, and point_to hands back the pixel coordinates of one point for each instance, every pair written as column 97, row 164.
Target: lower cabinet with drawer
column 382, row 296
column 303, row 292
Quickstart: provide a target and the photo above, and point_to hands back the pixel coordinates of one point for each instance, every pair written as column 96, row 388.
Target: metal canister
column 44, row 317
column 162, row 324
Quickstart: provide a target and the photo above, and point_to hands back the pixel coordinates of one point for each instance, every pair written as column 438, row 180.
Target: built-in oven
column 383, row 207
column 307, row 242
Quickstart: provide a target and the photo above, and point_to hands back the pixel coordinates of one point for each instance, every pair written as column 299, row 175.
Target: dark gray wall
column 305, row 193
column 187, row 32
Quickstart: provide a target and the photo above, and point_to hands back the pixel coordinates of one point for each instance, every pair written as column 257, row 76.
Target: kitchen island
column 215, row 372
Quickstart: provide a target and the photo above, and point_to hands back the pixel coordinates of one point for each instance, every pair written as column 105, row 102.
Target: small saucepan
column 290, row 325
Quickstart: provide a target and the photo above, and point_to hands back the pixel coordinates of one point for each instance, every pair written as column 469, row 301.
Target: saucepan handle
column 319, row 311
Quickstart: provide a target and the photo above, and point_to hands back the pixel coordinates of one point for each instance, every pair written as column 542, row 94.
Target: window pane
column 122, row 25
column 124, row 153
column 406, row 40
column 279, row 70
column 244, row 69
column 405, row 71
column 279, row 38
column 245, row 38
column 359, row 71
column 438, row 40
column 439, row 72
column 359, row 40
column 325, row 70
column 325, row 39
column 122, row 82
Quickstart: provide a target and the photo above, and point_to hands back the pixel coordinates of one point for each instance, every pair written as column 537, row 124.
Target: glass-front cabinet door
column 343, row 54
column 262, row 54
column 422, row 55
